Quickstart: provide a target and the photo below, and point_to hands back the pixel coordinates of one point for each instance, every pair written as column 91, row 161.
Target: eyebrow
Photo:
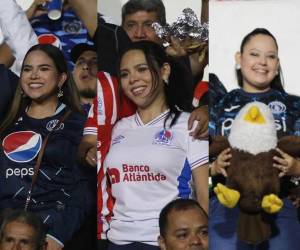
column 137, row 65
column 84, row 57
column 40, row 65
column 187, row 228
column 270, row 51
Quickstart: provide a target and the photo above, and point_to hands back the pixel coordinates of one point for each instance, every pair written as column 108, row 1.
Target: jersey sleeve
column 17, row 30
column 90, row 127
column 8, row 87
column 197, row 152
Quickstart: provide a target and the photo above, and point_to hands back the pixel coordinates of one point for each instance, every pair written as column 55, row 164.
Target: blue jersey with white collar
column 66, row 32
column 59, row 195
column 285, row 109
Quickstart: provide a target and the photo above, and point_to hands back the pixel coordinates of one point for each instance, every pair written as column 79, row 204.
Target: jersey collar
column 159, row 119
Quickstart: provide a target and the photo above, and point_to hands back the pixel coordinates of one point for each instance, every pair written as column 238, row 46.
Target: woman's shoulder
column 229, row 98
column 182, row 121
column 125, row 122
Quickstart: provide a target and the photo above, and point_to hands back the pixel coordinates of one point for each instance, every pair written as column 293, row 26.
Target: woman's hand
column 201, row 115
column 35, row 9
column 286, row 164
column 295, row 200
column 221, row 163
column 91, row 156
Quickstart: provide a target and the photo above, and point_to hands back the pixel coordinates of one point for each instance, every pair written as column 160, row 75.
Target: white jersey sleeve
column 197, row 152
column 16, row 30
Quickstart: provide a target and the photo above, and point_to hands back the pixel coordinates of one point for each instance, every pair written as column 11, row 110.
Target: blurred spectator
column 64, row 33
column 22, row 230
column 183, row 225
column 137, row 19
column 85, row 57
column 18, row 34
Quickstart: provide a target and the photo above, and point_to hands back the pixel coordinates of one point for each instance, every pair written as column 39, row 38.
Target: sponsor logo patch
column 22, row 146
column 277, row 107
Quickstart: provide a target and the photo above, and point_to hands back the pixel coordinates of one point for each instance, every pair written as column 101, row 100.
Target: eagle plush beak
column 254, row 116
column 226, row 196
column 271, row 203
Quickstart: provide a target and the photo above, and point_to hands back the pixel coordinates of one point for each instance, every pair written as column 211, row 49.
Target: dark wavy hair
column 177, row 97
column 277, row 82
column 70, row 97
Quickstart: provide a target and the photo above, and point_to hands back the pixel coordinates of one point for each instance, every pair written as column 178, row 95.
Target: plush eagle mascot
column 252, row 181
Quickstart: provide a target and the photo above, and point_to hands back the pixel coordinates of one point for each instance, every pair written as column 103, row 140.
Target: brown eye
column 181, row 236
column 44, row 68
column 203, row 233
column 123, row 75
column 272, row 56
column 142, row 69
column 254, row 54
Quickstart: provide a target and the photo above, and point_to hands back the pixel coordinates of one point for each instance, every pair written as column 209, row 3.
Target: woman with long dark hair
column 260, row 78
column 152, row 159
column 39, row 139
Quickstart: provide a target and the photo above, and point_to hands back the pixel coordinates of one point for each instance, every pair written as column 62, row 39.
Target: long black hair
column 70, row 93
column 277, row 82
column 177, row 96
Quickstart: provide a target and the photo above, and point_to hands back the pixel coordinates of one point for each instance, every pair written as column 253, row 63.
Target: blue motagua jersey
column 60, row 190
column 64, row 33
column 285, row 109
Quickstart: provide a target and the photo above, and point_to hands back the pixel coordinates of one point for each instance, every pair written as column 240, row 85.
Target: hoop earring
column 60, row 92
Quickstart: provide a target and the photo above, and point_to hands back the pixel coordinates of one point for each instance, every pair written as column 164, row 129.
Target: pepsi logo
column 22, row 146
column 49, row 39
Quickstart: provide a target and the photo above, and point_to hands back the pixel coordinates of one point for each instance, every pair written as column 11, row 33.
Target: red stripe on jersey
column 201, row 89
column 107, row 116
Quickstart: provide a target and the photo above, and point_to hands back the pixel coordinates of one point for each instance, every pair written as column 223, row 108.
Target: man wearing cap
column 85, row 72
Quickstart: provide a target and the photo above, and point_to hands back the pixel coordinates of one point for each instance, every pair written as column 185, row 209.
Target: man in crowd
column 183, row 225
column 22, row 230
column 85, row 57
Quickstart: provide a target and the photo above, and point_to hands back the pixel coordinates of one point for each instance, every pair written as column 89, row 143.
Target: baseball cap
column 78, row 49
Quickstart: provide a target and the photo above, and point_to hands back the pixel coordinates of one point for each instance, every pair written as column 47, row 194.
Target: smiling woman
column 39, row 139
column 259, row 76
column 174, row 165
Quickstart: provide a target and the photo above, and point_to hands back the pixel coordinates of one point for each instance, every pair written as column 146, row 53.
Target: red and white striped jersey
column 109, row 108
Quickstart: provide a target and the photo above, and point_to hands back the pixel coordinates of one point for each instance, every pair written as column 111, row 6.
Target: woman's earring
column 23, row 95
column 237, row 66
column 276, row 72
column 60, row 92
column 166, row 81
